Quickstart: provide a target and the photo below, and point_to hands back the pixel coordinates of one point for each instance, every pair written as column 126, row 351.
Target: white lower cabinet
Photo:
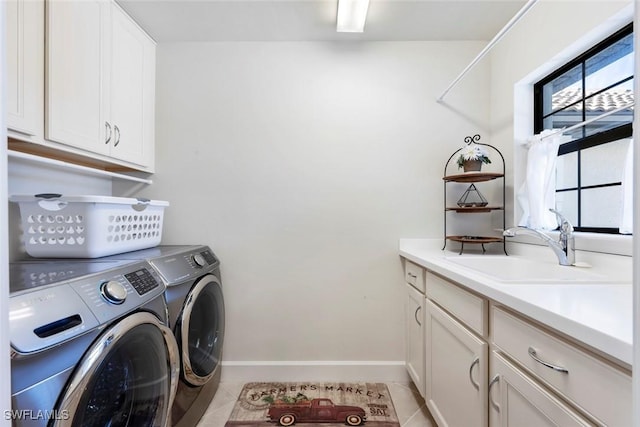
column 590, row 384
column 516, row 400
column 414, row 328
column 535, row 377
column 456, row 371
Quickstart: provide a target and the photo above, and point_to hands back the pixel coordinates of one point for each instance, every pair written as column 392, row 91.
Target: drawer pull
column 534, row 356
column 416, row 315
column 475, row 362
column 494, row 380
column 410, row 274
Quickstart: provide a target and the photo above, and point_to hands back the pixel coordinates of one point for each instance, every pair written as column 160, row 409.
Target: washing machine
column 90, row 345
column 196, row 316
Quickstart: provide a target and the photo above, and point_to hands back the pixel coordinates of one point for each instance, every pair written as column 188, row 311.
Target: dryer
column 197, row 317
column 90, row 345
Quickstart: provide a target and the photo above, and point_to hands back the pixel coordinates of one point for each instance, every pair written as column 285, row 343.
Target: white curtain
column 538, row 191
column 626, row 220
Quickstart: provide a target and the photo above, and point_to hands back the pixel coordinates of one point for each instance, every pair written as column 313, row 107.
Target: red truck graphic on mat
column 315, row 411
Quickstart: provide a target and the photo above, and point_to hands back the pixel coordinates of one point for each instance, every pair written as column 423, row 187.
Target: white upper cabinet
column 77, row 80
column 100, row 81
column 132, row 90
column 25, row 68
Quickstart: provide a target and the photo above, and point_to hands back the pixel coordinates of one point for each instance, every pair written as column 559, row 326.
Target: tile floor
column 410, row 406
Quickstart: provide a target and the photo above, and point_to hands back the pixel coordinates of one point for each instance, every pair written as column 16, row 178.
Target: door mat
column 320, row 403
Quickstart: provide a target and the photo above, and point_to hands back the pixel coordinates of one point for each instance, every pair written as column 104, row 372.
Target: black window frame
column 603, row 137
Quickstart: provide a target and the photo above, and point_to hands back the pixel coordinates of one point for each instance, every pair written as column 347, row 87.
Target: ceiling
column 315, row 20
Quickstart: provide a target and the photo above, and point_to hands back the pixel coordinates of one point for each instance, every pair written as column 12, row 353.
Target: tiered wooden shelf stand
column 473, row 177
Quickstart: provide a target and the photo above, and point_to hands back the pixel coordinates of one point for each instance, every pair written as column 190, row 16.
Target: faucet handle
column 563, row 223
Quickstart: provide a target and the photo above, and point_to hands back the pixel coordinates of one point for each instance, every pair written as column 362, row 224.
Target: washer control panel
column 116, row 292
column 142, row 281
column 49, row 315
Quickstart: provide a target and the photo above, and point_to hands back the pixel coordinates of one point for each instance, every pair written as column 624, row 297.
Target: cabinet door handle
column 116, row 130
column 416, row 315
column 534, row 356
column 494, row 380
column 107, row 127
column 476, row 361
column 410, row 274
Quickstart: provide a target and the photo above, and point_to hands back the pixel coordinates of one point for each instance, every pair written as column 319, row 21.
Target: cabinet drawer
column 467, row 307
column 591, row 384
column 414, row 275
column 516, row 400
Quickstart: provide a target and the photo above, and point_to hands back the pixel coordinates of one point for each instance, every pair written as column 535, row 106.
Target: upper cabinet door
column 78, row 74
column 132, row 90
column 25, row 68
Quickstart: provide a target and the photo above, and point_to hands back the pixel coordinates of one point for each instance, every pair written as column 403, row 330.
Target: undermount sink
column 514, row 269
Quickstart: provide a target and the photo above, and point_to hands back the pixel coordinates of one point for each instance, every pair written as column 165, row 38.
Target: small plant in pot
column 472, row 157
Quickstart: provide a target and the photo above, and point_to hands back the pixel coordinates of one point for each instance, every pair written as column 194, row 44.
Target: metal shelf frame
column 471, row 177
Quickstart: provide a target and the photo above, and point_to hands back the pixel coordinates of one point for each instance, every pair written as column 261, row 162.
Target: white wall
column 550, row 34
column 527, row 54
column 301, row 165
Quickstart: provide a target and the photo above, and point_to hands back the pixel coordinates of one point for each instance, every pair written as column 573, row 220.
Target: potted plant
column 472, row 157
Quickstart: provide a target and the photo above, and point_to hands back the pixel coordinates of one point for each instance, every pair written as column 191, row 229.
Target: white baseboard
column 369, row 371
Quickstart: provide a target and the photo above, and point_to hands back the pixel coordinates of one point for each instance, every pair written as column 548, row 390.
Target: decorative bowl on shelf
column 473, row 204
column 472, row 198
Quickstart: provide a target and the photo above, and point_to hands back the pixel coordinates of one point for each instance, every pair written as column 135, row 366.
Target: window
column 591, row 164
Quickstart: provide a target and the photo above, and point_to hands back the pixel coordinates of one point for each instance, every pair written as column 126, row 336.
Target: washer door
column 200, row 330
column 128, row 377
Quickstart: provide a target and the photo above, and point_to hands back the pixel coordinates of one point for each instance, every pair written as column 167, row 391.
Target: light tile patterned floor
column 410, row 406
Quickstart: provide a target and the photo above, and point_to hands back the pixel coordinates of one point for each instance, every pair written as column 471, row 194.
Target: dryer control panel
column 188, row 265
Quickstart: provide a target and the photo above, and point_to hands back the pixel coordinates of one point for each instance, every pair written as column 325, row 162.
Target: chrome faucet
column 564, row 248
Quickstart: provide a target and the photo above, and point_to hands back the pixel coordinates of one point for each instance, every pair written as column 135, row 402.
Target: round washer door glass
column 202, row 330
column 129, row 379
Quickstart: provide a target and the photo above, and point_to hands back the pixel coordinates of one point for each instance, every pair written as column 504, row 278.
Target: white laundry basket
column 56, row 226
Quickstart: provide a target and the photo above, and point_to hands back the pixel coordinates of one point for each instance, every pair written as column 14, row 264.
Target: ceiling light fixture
column 352, row 15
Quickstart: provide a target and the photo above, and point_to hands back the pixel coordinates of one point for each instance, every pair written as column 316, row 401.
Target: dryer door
column 128, row 377
column 200, row 330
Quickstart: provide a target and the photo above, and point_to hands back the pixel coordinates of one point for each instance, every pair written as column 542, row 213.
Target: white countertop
column 599, row 315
